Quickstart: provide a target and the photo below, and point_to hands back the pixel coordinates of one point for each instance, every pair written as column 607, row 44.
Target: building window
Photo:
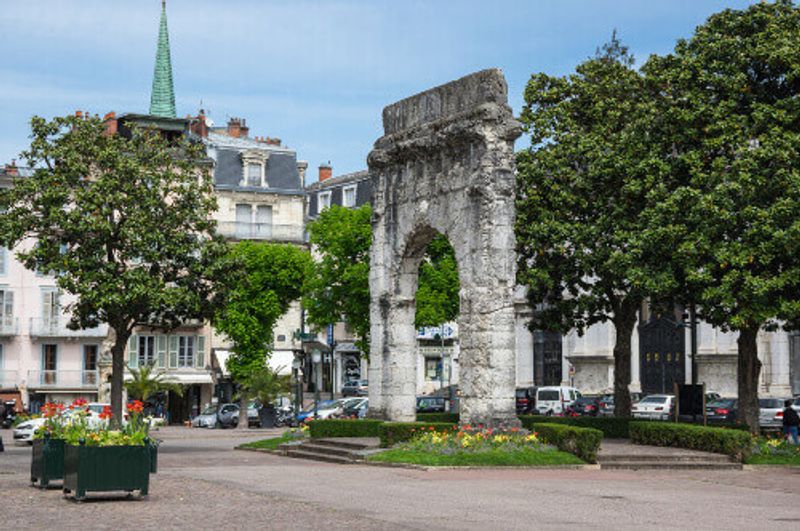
column 6, row 309
column 3, row 260
column 49, row 363
column 90, row 364
column 147, row 350
column 186, row 351
column 263, row 228
column 254, row 174
column 349, row 196
column 323, row 201
column 51, row 308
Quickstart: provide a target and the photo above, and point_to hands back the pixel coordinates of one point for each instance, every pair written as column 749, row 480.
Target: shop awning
column 188, row 379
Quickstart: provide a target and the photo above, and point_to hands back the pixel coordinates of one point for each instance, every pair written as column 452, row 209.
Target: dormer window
column 254, row 174
column 254, row 166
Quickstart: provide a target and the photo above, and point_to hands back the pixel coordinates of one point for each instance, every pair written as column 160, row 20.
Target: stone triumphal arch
column 445, row 165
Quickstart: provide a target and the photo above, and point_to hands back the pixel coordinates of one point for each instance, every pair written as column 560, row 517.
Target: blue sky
column 315, row 73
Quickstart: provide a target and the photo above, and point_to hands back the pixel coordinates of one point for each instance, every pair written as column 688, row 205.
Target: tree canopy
column 123, row 222
column 732, row 121
column 271, row 277
column 586, row 187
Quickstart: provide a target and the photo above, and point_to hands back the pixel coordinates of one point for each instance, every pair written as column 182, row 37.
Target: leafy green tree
column 732, row 124
column 585, row 189
column 144, row 383
column 125, row 224
column 338, row 288
column 437, row 295
column 266, row 385
column 272, row 276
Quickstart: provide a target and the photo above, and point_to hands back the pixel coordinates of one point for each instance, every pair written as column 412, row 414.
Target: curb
column 429, row 468
column 769, row 467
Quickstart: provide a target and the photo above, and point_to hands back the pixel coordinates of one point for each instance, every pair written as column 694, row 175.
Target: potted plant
column 109, row 460
column 266, row 385
column 47, row 458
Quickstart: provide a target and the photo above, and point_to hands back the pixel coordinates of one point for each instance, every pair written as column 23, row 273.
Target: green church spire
column 162, row 98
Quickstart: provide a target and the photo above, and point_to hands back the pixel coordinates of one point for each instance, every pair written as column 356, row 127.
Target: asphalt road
column 202, row 483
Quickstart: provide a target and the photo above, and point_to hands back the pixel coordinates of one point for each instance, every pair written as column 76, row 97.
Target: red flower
column 135, row 407
column 106, row 413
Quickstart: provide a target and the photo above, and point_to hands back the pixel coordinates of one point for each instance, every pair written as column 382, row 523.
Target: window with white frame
column 349, row 196
column 186, row 351
column 254, row 174
column 6, row 307
column 147, row 350
column 323, row 201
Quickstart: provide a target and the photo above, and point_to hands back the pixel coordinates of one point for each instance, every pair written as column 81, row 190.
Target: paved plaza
column 203, row 483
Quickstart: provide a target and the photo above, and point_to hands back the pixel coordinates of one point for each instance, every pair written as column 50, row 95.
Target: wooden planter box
column 47, row 461
column 106, row 469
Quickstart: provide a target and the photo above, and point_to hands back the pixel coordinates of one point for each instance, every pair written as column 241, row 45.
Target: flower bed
column 773, row 451
column 468, row 446
column 106, row 468
column 392, row 433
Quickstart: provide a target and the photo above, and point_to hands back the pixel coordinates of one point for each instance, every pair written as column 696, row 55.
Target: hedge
column 344, row 428
column 450, row 418
column 392, row 433
column 612, row 427
column 581, row 442
column 735, row 443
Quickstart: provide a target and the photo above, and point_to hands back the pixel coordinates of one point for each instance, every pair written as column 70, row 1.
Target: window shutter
column 3, row 253
column 47, row 307
column 173, row 352
column 161, row 351
column 8, row 307
column 200, row 359
column 133, row 354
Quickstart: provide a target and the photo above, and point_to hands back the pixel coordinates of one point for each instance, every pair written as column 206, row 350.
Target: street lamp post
column 316, row 359
column 297, row 364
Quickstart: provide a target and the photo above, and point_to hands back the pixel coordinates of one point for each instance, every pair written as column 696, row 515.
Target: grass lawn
column 495, row 457
column 773, row 460
column 270, row 444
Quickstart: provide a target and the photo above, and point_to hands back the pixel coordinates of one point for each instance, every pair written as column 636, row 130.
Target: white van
column 555, row 400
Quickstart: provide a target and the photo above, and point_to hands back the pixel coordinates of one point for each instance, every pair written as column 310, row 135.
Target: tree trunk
column 749, row 369
column 243, row 420
column 623, row 323
column 118, row 374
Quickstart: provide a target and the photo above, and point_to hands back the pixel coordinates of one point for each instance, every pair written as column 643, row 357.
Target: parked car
column 723, row 410
column 654, row 407
column 585, row 406
column 206, row 419
column 23, row 432
column 356, row 388
column 252, row 414
column 355, row 410
column 308, row 414
column 607, row 403
column 712, row 397
column 430, row 404
column 555, row 400
column 329, row 408
column 526, row 400
column 770, row 415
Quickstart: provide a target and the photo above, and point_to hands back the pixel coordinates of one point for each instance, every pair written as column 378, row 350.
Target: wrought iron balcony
column 63, row 379
column 41, row 327
column 260, row 231
column 8, row 379
column 8, row 325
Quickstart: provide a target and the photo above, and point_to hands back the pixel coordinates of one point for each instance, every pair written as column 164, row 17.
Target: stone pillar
column 446, row 165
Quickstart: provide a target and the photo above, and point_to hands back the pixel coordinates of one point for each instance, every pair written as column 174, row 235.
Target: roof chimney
column 110, row 121
column 325, row 171
column 235, row 127
column 11, row 169
column 198, row 124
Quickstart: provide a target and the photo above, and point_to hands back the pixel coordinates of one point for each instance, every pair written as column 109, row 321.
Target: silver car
column 770, row 414
column 654, row 407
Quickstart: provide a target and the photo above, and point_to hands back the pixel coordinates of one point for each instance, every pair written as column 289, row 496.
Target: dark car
column 430, row 404
column 607, row 403
column 526, row 400
column 723, row 410
column 586, row 406
column 355, row 388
